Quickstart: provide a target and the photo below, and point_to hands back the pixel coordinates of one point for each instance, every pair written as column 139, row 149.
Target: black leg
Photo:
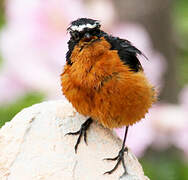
column 81, row 132
column 120, row 156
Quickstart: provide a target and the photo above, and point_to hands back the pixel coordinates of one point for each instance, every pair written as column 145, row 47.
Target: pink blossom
column 12, row 85
column 34, row 43
column 139, row 137
column 167, row 121
column 181, row 138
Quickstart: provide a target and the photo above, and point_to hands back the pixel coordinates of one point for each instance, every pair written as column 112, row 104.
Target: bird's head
column 84, row 29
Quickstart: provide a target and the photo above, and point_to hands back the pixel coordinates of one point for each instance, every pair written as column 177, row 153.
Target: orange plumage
column 103, row 79
column 100, row 85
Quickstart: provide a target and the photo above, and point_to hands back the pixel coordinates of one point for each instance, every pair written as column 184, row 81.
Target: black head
column 84, row 28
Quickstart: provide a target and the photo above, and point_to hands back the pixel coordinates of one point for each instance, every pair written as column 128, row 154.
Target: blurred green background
column 180, row 16
column 168, row 164
column 171, row 164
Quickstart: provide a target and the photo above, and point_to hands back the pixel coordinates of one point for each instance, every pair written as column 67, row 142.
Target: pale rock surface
column 33, row 146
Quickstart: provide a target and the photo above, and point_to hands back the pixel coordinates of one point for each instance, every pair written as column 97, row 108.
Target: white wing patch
column 81, row 27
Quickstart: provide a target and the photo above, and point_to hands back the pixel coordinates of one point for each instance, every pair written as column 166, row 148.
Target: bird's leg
column 81, row 132
column 120, row 156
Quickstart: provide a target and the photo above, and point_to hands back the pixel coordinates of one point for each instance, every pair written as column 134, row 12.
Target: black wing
column 71, row 46
column 127, row 52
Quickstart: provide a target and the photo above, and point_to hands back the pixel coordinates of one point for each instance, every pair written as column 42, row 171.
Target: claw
column 115, row 167
column 111, row 159
column 78, row 141
column 81, row 132
column 73, row 133
column 85, row 137
column 120, row 156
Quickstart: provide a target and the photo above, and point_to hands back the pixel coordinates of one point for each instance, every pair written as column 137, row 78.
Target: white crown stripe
column 81, row 27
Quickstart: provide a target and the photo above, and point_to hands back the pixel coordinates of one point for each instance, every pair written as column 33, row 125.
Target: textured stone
column 33, row 146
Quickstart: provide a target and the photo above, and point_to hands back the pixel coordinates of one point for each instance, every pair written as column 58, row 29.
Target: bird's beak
column 87, row 35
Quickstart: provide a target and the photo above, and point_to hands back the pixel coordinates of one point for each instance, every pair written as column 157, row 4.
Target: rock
column 33, row 146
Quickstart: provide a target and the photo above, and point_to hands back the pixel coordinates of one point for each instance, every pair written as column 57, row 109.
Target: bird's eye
column 75, row 35
column 98, row 25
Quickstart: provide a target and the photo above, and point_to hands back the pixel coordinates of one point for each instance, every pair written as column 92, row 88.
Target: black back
column 71, row 45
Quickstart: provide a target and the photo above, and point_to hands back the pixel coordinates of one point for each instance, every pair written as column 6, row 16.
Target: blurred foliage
column 2, row 13
column 183, row 66
column 7, row 112
column 165, row 165
column 180, row 17
column 2, row 20
column 1, row 60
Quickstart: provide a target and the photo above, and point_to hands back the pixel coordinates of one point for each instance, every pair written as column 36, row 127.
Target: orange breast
column 99, row 85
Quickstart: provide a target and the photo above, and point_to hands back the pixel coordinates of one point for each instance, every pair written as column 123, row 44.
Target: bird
column 104, row 80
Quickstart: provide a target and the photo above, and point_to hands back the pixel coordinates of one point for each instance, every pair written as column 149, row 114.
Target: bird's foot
column 120, row 159
column 81, row 132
